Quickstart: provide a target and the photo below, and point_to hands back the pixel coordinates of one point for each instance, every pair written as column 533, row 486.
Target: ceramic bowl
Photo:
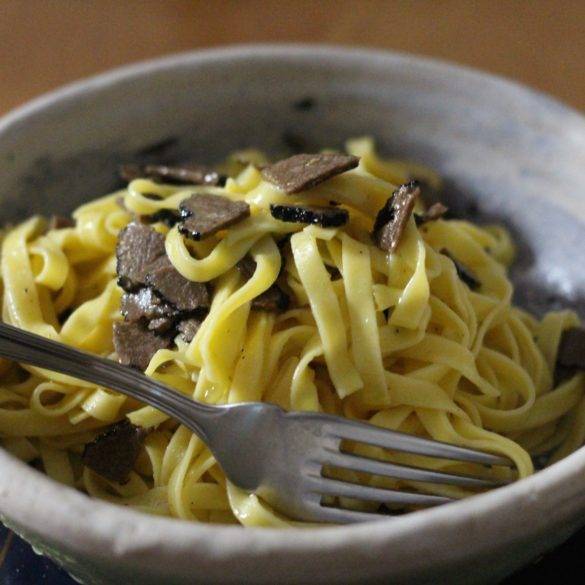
column 517, row 156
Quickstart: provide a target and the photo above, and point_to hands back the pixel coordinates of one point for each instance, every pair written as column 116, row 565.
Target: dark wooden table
column 45, row 43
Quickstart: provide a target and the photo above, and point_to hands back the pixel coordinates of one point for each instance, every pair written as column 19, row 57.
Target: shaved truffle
column 572, row 349
column 324, row 216
column 158, row 297
column 135, row 344
column 183, row 294
column 464, row 273
column 393, row 217
column 113, row 454
column 273, row 299
column 147, row 307
column 138, row 247
column 161, row 325
column 305, row 171
column 205, row 214
column 434, row 212
column 189, row 327
column 184, row 174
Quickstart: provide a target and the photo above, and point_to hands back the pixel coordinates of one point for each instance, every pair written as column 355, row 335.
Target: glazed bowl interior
column 507, row 155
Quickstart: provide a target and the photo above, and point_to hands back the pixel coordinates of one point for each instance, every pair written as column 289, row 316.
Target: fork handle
column 29, row 348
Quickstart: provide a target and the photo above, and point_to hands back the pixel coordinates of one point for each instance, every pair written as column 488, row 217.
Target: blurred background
column 46, row 43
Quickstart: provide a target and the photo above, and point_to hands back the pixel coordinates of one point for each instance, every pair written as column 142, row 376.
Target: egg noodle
column 400, row 340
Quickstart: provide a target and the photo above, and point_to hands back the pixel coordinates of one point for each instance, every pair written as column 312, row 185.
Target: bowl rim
column 347, row 53
column 98, row 528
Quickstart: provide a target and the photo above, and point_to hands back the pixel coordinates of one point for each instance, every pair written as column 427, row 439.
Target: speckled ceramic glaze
column 519, row 156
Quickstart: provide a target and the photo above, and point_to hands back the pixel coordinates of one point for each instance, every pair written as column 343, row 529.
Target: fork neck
column 29, row 348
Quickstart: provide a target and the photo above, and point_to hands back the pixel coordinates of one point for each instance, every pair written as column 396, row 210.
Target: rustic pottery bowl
column 516, row 156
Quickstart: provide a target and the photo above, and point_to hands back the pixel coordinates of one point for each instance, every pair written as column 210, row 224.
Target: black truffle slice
column 113, row 454
column 138, row 247
column 135, row 344
column 147, row 307
column 184, row 174
column 464, row 273
column 189, row 327
column 273, row 299
column 393, row 217
column 324, row 216
column 183, row 294
column 205, row 214
column 572, row 349
column 161, row 325
column 434, row 212
column 304, row 171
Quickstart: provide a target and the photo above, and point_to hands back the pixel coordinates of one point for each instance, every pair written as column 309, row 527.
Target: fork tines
column 357, row 432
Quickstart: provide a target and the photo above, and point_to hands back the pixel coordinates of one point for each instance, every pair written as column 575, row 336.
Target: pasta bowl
column 506, row 153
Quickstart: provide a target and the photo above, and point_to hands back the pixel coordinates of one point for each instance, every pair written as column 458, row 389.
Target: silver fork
column 278, row 455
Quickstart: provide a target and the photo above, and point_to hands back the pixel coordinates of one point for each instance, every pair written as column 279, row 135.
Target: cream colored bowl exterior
column 521, row 156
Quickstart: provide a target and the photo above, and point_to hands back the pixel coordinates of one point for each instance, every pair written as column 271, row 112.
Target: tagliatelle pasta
column 398, row 339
